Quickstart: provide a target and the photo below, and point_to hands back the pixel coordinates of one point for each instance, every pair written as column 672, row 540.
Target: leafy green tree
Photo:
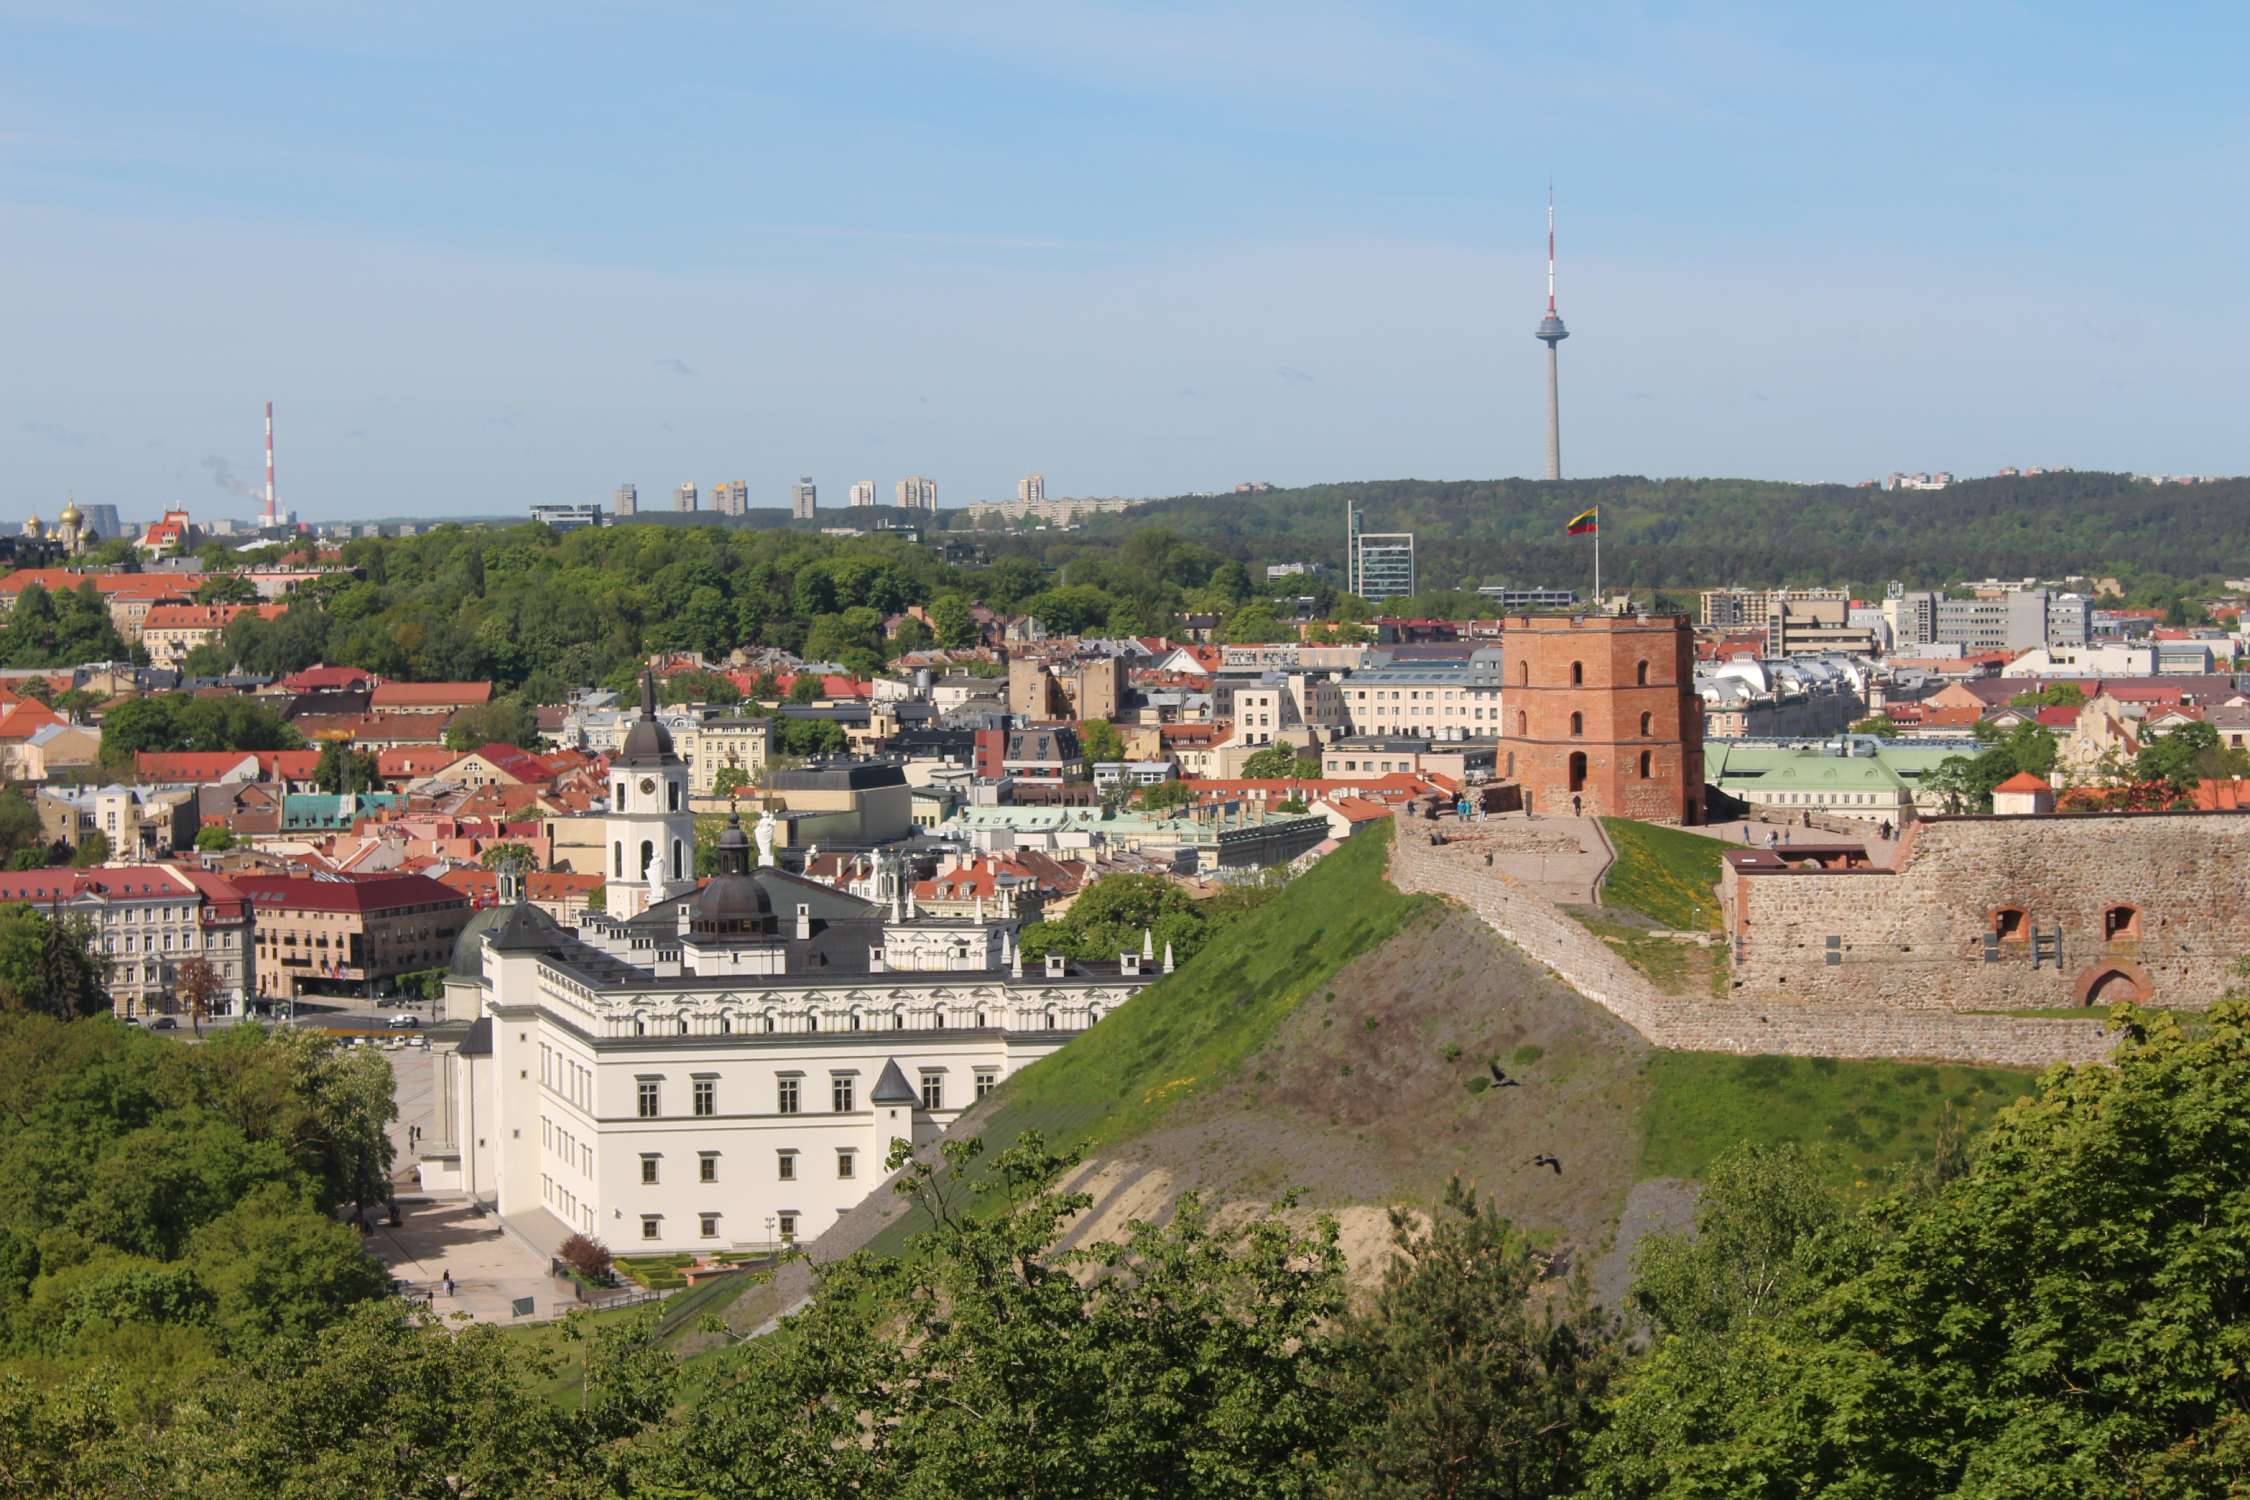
column 2060, row 1317
column 49, row 966
column 1278, row 762
column 342, row 769
column 1099, row 739
column 956, row 627
column 804, row 738
column 699, row 687
column 805, row 688
column 19, row 824
column 214, row 838
column 729, row 781
column 93, row 849
column 353, row 1103
column 226, row 588
column 1165, row 795
column 1109, row 916
column 2053, row 695
column 507, row 853
column 1966, row 782
column 1455, row 1383
column 1881, row 725
column 503, row 721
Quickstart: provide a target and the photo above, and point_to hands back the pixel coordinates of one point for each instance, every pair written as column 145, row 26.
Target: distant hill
column 1683, row 533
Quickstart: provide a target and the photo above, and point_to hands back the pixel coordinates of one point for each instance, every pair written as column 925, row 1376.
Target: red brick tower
column 1603, row 710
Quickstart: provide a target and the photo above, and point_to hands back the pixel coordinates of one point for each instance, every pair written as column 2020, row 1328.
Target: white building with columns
column 725, row 1068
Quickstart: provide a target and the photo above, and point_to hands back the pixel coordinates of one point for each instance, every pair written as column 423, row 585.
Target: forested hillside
column 1687, row 533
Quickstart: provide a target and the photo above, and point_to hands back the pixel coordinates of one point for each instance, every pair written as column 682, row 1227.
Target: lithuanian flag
column 1585, row 522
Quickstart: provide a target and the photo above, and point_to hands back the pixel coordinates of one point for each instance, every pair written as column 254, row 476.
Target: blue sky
column 482, row 255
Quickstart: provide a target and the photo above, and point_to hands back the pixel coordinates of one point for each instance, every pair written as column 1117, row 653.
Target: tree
column 1883, row 726
column 1455, row 1385
column 20, row 828
column 955, row 626
column 804, row 738
column 48, row 965
column 510, row 852
column 587, row 1256
column 2053, row 695
column 1100, row 741
column 214, row 838
column 1166, row 794
column 729, row 781
column 342, row 769
column 805, row 687
column 226, row 588
column 198, row 985
column 354, row 1102
column 911, row 636
column 1281, row 762
column 503, row 721
column 1109, row 916
column 93, row 849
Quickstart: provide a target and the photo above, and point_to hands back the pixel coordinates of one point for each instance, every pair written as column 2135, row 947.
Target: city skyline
column 1316, row 272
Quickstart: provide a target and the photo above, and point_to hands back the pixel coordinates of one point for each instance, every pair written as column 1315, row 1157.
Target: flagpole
column 1597, row 560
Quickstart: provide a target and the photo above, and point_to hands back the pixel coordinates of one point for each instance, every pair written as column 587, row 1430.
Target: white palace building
column 725, row 1067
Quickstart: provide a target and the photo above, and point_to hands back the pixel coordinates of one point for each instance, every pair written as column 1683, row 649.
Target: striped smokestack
column 271, row 517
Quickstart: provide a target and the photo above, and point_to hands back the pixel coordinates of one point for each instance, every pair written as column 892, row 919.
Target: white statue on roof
column 763, row 833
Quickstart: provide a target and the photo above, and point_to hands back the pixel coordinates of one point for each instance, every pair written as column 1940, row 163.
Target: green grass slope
column 1861, row 1120
column 1665, row 874
column 1190, row 1031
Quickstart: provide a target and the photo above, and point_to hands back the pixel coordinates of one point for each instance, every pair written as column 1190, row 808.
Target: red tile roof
column 430, row 694
column 193, row 765
column 125, row 882
column 368, row 894
column 326, row 679
column 27, row 718
column 413, row 760
column 287, row 765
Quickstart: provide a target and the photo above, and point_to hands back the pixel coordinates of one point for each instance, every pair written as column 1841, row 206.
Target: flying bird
column 1502, row 1079
column 1544, row 1160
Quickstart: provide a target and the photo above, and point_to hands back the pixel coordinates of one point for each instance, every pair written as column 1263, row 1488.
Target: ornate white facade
column 727, row 1067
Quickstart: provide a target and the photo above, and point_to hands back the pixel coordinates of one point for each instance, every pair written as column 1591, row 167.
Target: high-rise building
column 804, row 500
column 863, row 494
column 628, row 501
column 917, row 493
column 1032, row 489
column 730, row 497
column 1377, row 564
column 684, row 499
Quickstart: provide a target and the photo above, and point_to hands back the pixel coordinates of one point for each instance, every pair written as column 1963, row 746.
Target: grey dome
column 468, row 948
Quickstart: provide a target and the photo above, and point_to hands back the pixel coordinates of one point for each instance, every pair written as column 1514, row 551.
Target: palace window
column 840, row 1093
column 648, row 1098
column 786, row 1164
column 651, row 1226
column 785, row 1096
column 707, row 1166
column 648, row 1170
column 706, row 1096
column 933, row 1091
column 987, row 1081
column 708, row 1226
column 846, row 1162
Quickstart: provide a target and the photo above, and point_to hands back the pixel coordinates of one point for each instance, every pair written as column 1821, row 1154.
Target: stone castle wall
column 1915, row 939
column 1836, row 1027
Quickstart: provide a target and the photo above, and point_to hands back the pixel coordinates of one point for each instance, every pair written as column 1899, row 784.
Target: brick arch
column 2107, row 983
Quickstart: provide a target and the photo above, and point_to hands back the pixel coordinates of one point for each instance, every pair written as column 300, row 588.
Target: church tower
column 651, row 832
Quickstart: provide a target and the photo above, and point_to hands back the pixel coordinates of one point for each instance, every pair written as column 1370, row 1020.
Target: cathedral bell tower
column 650, row 832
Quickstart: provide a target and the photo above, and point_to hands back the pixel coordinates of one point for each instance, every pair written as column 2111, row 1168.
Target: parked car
column 403, row 1019
column 164, row 1023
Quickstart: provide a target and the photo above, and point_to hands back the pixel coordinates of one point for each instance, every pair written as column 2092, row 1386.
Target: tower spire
column 1551, row 332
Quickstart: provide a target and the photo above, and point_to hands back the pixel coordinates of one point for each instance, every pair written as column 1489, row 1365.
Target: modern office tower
column 804, row 500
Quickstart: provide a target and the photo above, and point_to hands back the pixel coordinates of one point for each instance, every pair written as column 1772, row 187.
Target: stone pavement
column 444, row 1232
column 1563, row 859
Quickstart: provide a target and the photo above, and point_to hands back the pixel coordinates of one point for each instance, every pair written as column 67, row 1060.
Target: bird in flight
column 1503, row 1080
column 1544, row 1160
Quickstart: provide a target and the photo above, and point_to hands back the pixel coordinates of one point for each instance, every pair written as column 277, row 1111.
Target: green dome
column 468, row 948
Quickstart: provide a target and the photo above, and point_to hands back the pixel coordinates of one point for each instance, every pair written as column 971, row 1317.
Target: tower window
column 1640, row 674
column 1645, row 761
column 1577, row 725
column 1648, row 725
column 1577, row 674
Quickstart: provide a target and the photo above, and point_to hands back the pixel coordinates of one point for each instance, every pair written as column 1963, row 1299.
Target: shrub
column 587, row 1256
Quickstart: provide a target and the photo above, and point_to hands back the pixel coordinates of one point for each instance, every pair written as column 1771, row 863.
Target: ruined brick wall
column 1839, row 1026
column 1618, row 693
column 1915, row 939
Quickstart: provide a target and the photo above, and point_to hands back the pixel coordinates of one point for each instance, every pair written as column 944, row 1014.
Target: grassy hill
column 1665, row 874
column 1342, row 1043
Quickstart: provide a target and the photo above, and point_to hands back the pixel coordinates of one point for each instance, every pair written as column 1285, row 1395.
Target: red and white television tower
column 272, row 517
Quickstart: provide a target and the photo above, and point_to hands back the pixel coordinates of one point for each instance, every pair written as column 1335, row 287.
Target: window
column 708, row 1226
column 788, row 1225
column 844, row 1162
column 1523, row 725
column 648, row 1169
column 707, row 1166
column 1577, row 725
column 840, row 1093
column 987, row 1081
column 1648, row 725
column 785, row 1101
column 706, row 1096
column 2121, row 924
column 2010, row 925
column 648, row 1099
column 1577, row 768
column 683, row 1026
column 1645, row 758
column 933, row 1091
column 786, row 1162
column 651, row 1225
column 1577, row 674
column 1640, row 674
column 1523, row 673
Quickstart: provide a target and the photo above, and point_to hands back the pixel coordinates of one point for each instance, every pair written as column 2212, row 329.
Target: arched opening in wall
column 679, row 861
column 812, row 1020
column 1577, row 674
column 1510, row 773
column 1577, row 725
column 1640, row 677
column 1523, row 725
column 2011, row 925
column 1648, row 725
column 1645, row 762
column 617, row 860
column 1523, row 673
column 648, row 857
column 2117, row 983
column 672, row 795
column 2121, row 924
column 1578, row 770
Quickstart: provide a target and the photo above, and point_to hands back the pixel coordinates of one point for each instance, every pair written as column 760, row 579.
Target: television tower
column 271, row 517
column 1551, row 332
